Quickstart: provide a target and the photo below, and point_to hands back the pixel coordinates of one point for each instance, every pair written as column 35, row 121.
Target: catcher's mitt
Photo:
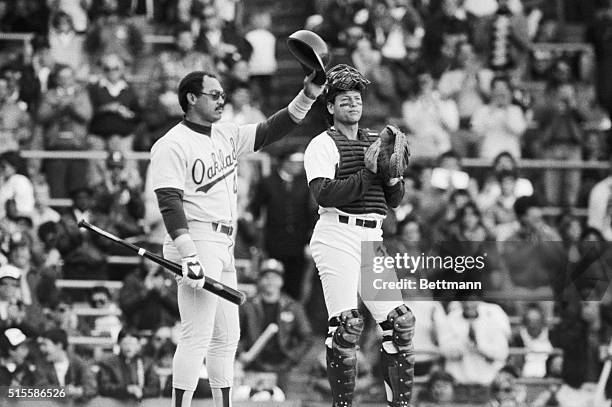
column 388, row 156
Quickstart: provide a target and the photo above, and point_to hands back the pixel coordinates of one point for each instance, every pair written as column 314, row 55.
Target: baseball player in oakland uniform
column 193, row 170
column 353, row 202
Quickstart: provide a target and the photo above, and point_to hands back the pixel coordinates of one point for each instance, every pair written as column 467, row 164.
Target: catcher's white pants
column 336, row 250
column 209, row 325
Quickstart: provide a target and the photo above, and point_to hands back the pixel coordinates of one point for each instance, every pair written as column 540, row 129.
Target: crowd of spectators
column 464, row 79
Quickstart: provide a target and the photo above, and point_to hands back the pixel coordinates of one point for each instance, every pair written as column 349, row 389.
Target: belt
column 366, row 223
column 221, row 228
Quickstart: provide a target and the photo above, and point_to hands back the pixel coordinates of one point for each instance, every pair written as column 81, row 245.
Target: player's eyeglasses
column 215, row 95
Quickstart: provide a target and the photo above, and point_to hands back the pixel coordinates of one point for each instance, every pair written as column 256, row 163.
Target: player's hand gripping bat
column 210, row 284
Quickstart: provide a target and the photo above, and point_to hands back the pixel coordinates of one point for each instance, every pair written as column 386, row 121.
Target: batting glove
column 193, row 271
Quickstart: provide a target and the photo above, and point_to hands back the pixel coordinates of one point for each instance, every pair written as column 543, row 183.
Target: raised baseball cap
column 311, row 51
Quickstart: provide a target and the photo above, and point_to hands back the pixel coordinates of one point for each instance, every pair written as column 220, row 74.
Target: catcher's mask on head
column 341, row 78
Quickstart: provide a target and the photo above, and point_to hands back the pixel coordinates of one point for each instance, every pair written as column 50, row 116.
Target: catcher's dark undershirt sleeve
column 331, row 193
column 394, row 194
column 274, row 128
column 170, row 201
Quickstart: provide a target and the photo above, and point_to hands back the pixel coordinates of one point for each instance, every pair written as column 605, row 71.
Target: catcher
column 354, row 175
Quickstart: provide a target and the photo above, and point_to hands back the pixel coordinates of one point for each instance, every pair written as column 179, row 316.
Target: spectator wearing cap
column 268, row 308
column 64, row 368
column 290, row 214
column 116, row 112
column 240, row 109
column 118, row 197
column 14, row 120
column 148, row 298
column 128, row 375
column 65, row 112
column 16, row 365
column 80, row 249
column 475, row 341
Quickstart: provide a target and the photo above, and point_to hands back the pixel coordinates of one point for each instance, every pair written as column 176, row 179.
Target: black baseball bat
column 212, row 285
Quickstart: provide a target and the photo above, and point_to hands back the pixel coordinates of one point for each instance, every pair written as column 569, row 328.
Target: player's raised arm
column 282, row 122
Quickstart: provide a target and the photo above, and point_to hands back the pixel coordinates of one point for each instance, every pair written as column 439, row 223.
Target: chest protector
column 351, row 161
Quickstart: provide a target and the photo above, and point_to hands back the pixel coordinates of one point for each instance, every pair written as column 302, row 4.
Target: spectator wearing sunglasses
column 116, row 113
column 154, row 346
column 104, row 325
